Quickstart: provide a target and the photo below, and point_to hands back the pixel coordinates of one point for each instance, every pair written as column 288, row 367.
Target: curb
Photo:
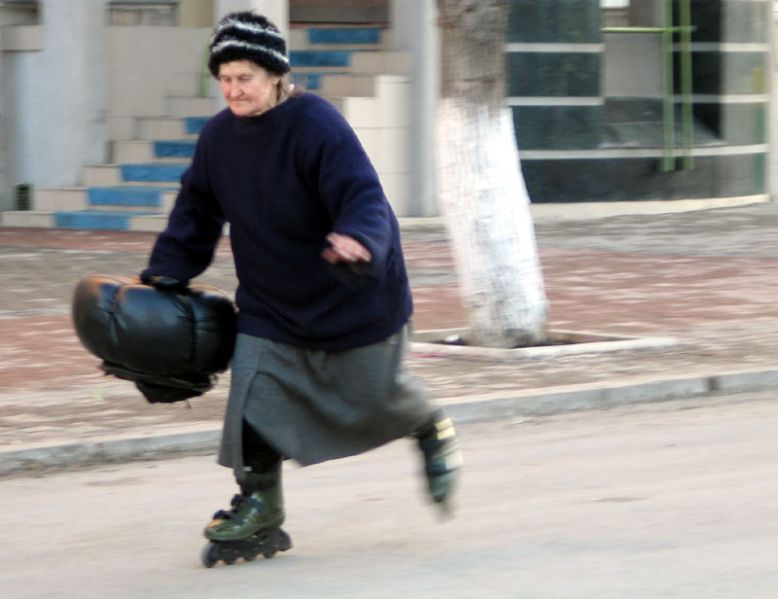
column 36, row 460
column 545, row 402
column 579, row 398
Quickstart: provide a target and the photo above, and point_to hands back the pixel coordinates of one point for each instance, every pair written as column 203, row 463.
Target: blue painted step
column 310, row 81
column 95, row 219
column 152, row 172
column 345, row 35
column 320, row 58
column 174, row 148
column 195, row 124
column 150, row 197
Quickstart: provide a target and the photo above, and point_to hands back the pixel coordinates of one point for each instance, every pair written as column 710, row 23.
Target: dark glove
column 163, row 282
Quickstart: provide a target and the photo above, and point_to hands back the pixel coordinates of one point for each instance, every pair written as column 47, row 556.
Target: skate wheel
column 284, row 541
column 269, row 554
column 250, row 557
column 208, row 555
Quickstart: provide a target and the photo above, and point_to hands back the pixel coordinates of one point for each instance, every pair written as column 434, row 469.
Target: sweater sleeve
column 351, row 190
column 186, row 247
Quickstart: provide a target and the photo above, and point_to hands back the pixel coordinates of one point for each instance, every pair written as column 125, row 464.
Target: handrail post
column 668, row 162
column 667, row 32
column 686, row 83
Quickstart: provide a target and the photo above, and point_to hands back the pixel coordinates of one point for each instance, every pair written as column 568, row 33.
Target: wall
column 18, row 130
column 147, row 66
column 554, row 70
column 19, row 35
column 581, row 143
column 196, row 13
column 53, row 95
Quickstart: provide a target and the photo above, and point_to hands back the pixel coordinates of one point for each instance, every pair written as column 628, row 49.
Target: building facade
column 631, row 100
column 618, row 102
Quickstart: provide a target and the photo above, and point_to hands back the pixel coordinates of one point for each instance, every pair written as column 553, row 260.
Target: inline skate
column 442, row 459
column 252, row 526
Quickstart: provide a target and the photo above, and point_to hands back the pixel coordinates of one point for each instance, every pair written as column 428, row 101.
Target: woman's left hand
column 345, row 249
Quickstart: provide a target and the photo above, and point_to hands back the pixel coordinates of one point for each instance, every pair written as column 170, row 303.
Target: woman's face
column 248, row 88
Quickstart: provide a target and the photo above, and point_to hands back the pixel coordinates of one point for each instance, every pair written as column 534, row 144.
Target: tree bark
column 481, row 188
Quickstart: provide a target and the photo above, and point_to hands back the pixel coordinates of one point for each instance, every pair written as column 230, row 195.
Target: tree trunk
column 481, row 188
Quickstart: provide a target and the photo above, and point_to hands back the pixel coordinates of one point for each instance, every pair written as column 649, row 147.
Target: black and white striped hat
column 248, row 36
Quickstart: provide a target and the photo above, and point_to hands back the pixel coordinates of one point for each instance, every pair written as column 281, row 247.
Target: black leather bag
column 171, row 343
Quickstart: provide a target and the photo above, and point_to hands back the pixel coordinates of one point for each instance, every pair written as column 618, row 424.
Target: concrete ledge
column 62, row 198
column 594, row 210
column 552, row 212
column 522, row 403
column 569, row 343
column 38, row 219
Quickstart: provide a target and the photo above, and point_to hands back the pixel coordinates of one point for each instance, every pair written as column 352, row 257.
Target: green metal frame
column 666, row 31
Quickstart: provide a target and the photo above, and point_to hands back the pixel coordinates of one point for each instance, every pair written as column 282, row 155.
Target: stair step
column 338, row 38
column 194, row 124
column 95, row 219
column 144, row 173
column 149, row 222
column 153, row 172
column 138, row 197
column 132, row 150
column 161, row 128
column 312, row 81
column 60, row 198
column 72, row 199
column 35, row 219
column 320, row 58
column 174, row 148
column 170, row 128
column 390, row 62
column 145, row 150
column 370, row 102
column 355, row 86
column 185, row 106
column 344, row 35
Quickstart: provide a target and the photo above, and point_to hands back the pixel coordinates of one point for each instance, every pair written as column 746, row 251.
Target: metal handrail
column 667, row 30
column 687, row 113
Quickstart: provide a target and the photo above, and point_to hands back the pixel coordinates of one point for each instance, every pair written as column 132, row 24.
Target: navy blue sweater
column 284, row 180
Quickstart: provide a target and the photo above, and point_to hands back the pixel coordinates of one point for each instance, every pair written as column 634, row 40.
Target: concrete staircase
column 136, row 190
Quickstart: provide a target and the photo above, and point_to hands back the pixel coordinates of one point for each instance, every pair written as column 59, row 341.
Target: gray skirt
column 316, row 405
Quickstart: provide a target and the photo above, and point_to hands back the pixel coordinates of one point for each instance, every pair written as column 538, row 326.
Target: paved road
column 671, row 500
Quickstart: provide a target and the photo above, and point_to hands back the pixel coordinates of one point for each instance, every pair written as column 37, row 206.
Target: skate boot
column 442, row 459
column 252, row 526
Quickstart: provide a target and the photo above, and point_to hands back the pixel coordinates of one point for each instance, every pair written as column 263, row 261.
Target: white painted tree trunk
column 486, row 206
column 480, row 186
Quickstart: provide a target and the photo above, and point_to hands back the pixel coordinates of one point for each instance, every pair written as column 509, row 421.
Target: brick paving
column 708, row 278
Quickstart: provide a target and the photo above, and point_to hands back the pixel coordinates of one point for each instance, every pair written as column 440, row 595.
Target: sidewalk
column 708, row 279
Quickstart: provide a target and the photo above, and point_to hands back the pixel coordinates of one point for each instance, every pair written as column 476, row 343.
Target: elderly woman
column 323, row 296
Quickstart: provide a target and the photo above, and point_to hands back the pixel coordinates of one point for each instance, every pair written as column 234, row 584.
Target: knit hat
column 247, row 36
